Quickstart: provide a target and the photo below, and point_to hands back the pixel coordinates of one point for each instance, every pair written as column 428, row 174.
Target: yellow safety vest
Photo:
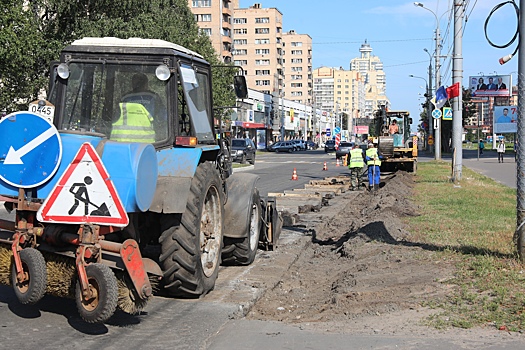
column 374, row 157
column 134, row 124
column 356, row 158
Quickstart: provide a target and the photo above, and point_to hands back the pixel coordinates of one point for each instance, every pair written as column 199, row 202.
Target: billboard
column 505, row 119
column 491, row 85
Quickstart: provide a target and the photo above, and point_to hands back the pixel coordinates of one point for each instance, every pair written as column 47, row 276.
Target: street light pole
column 437, row 77
column 429, row 94
column 429, row 109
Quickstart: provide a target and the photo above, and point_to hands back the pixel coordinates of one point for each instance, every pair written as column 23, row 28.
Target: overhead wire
column 514, row 37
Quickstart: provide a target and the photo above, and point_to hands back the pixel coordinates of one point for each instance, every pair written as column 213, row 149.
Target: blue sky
column 398, row 32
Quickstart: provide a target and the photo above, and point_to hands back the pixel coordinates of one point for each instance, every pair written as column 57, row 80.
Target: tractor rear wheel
column 191, row 247
column 242, row 251
column 33, row 288
column 103, row 301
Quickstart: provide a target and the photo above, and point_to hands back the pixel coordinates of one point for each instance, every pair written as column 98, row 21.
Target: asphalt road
column 212, row 322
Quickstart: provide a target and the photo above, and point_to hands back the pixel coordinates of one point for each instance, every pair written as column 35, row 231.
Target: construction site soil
column 361, row 272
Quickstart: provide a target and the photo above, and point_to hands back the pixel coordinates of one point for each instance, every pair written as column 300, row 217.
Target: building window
column 297, row 52
column 201, row 3
column 239, row 20
column 262, row 72
column 262, row 20
column 239, row 52
column 262, row 41
column 206, row 31
column 262, row 51
column 296, row 85
column 262, row 62
column 262, row 82
column 262, row 30
column 241, row 31
column 297, row 69
column 240, row 42
column 297, row 43
column 202, row 18
column 241, row 62
column 297, row 60
column 296, row 77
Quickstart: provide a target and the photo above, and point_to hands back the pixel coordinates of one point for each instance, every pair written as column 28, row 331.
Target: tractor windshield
column 123, row 102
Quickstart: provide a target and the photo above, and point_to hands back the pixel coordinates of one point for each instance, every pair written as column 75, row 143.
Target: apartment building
column 214, row 18
column 298, row 77
column 258, row 45
column 372, row 79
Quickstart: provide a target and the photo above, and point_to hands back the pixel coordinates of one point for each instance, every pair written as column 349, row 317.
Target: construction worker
column 141, row 113
column 356, row 164
column 135, row 124
column 373, row 162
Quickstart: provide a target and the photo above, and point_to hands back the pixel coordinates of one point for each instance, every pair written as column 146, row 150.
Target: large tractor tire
column 104, row 287
column 191, row 246
column 33, row 288
column 241, row 251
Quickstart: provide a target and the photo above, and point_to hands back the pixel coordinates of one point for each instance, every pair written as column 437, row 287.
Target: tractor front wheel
column 191, row 246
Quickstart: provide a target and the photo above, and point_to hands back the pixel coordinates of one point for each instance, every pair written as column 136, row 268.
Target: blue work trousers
column 373, row 170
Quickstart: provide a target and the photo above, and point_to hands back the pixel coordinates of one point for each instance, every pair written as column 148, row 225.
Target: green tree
column 31, row 42
column 21, row 56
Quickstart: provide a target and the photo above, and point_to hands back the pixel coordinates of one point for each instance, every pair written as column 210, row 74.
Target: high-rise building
column 214, row 18
column 257, row 47
column 371, row 81
column 298, row 78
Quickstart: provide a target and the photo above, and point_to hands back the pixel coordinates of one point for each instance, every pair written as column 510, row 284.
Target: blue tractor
column 125, row 175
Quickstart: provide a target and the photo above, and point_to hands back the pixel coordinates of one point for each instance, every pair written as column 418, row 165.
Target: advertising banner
column 361, row 130
column 492, row 85
column 505, row 119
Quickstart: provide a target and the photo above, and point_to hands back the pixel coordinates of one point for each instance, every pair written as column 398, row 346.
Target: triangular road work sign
column 84, row 194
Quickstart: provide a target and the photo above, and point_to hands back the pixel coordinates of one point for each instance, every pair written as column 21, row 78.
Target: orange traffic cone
column 325, row 167
column 337, row 162
column 294, row 175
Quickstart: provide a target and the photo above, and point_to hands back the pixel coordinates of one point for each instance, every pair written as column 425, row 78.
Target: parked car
column 311, row 145
column 343, row 149
column 299, row 144
column 243, row 150
column 329, row 146
column 284, row 146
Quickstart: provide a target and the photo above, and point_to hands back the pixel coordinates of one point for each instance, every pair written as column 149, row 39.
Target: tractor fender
column 237, row 210
column 177, row 166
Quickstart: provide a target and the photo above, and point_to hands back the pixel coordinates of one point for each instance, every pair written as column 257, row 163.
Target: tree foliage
column 59, row 22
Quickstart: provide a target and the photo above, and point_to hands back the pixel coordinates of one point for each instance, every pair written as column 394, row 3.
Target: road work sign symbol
column 84, row 194
column 30, row 150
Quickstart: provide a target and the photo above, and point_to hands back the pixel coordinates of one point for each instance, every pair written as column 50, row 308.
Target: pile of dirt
column 359, row 264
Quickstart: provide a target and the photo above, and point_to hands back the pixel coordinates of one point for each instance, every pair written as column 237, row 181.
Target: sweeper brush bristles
column 5, row 265
column 128, row 300
column 61, row 275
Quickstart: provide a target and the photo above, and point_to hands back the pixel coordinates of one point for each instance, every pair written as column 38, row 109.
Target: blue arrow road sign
column 30, row 150
column 337, row 130
column 436, row 113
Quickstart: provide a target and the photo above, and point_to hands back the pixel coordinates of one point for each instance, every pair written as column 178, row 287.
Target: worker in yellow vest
column 356, row 164
column 135, row 124
column 373, row 162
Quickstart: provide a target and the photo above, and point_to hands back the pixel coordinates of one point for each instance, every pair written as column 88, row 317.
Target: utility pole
column 519, row 235
column 437, row 141
column 457, row 77
column 429, row 104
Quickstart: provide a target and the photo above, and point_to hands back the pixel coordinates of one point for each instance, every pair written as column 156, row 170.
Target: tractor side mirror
column 239, row 84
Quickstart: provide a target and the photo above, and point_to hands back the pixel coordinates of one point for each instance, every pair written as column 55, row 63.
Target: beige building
column 370, row 82
column 298, row 77
column 258, row 45
column 214, row 18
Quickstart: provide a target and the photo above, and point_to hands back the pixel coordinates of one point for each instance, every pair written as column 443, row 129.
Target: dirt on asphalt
column 361, row 271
